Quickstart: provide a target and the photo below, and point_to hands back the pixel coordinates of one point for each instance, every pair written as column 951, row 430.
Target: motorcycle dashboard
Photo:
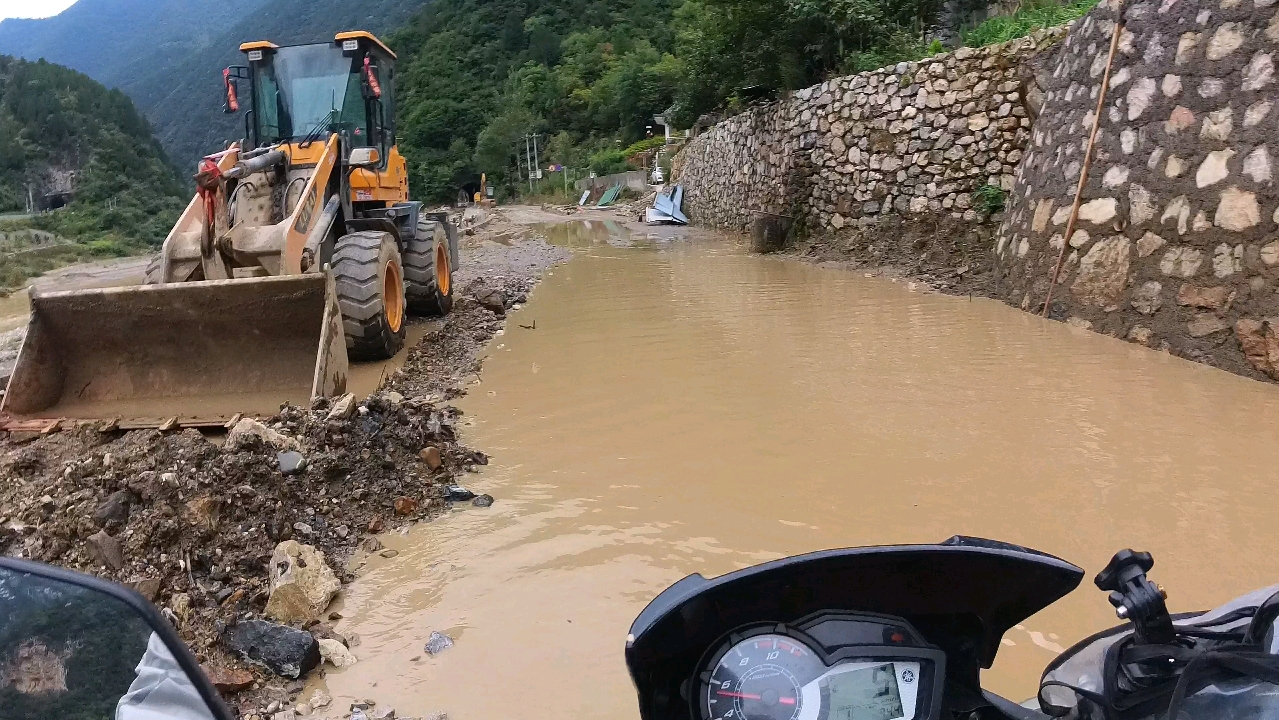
column 831, row 666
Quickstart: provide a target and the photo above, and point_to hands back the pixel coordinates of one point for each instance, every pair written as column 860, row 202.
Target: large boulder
column 283, row 650
column 491, row 299
column 106, row 550
column 343, row 408
column 291, row 462
column 115, row 510
column 248, row 431
column 302, row 585
column 336, row 653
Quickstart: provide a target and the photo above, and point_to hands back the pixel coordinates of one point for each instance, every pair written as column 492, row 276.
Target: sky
column 32, row 8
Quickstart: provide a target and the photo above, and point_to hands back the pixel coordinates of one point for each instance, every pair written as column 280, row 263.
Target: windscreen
column 303, row 89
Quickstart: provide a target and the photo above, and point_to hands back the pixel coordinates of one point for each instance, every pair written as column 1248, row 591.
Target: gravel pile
column 192, row 524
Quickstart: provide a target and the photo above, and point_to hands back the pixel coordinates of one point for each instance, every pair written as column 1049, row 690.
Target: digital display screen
column 866, row 694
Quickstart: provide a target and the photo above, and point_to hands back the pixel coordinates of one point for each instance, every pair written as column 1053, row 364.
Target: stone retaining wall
column 1176, row 247
column 914, row 138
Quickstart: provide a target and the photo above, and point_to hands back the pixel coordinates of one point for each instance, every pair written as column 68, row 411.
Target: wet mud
column 948, row 255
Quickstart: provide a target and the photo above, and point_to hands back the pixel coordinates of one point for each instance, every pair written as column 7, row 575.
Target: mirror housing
column 232, row 104
column 231, row 88
column 365, row 157
column 372, row 88
column 77, row 645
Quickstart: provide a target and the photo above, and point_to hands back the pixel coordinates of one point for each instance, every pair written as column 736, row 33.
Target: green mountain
column 184, row 101
column 117, row 41
column 65, row 138
column 476, row 76
column 168, row 55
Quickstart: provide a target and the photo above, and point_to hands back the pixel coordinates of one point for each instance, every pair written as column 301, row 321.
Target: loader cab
column 303, row 93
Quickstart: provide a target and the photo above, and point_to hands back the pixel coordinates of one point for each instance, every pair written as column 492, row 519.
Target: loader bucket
column 183, row 350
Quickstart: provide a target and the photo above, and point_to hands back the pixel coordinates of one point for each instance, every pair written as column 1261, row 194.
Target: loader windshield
column 303, row 88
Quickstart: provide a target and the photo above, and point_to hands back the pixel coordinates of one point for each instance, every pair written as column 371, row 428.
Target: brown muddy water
column 683, row 407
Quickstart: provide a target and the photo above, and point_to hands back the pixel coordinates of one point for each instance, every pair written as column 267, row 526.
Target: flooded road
column 682, row 407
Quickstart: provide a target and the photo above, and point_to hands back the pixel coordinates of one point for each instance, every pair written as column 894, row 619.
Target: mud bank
column 952, row 256
column 193, row 521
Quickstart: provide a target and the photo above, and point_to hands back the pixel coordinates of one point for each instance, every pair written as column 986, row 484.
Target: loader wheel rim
column 443, row 273
column 393, row 296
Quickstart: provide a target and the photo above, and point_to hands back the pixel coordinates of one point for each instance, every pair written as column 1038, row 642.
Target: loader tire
column 370, row 289
column 428, row 274
column 153, row 271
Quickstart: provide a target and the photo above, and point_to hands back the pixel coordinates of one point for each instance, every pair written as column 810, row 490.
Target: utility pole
column 537, row 160
column 528, row 158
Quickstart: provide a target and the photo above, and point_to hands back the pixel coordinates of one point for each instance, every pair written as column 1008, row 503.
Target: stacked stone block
column 913, row 138
column 1177, row 246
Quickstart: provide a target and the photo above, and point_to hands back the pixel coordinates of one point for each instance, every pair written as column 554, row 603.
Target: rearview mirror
column 372, row 88
column 231, row 89
column 77, row 646
column 365, row 157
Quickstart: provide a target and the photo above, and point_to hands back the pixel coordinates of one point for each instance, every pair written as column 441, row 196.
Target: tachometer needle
column 747, row 696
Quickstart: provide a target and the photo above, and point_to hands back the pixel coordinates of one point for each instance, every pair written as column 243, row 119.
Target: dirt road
column 667, row 404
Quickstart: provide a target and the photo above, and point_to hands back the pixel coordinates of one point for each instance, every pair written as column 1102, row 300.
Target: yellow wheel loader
column 300, row 250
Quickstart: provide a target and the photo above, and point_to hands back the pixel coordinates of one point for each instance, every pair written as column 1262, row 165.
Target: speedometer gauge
column 827, row 666
column 759, row 678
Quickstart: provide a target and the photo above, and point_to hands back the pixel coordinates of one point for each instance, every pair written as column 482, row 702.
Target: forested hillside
column 479, row 74
column 184, row 101
column 587, row 76
column 56, row 123
column 168, row 55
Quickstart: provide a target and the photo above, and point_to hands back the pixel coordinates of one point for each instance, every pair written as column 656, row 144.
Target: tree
column 54, row 120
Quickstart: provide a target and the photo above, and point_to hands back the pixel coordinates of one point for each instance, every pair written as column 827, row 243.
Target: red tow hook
column 207, row 182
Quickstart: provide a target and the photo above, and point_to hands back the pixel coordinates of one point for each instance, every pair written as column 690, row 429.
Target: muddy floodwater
column 684, row 407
